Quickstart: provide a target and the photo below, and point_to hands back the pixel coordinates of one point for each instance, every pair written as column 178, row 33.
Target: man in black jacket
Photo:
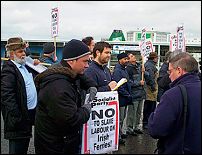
column 18, row 97
column 59, row 114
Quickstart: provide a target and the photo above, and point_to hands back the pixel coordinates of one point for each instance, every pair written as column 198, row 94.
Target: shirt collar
column 17, row 64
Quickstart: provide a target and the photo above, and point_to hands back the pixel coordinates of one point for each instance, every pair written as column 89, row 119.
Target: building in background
column 160, row 40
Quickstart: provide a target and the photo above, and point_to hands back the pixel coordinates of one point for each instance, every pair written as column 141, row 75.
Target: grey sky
column 32, row 19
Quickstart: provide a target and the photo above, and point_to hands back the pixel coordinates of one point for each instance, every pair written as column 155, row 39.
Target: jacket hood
column 54, row 73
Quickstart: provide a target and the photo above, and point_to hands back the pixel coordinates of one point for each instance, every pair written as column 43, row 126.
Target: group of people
column 53, row 101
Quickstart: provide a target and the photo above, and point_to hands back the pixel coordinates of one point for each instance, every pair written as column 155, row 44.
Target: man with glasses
column 166, row 122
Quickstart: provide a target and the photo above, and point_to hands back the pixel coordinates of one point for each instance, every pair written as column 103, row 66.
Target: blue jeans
column 18, row 146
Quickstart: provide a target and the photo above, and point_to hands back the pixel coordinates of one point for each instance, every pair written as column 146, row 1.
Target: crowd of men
column 53, row 101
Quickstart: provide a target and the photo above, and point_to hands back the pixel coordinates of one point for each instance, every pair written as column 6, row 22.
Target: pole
column 55, row 56
column 142, row 67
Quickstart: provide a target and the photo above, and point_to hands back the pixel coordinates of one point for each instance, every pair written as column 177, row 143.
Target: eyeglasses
column 176, row 68
column 169, row 71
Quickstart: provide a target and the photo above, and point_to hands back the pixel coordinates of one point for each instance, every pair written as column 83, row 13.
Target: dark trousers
column 149, row 107
column 18, row 146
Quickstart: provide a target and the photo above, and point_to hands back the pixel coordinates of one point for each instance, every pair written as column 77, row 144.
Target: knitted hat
column 48, row 48
column 15, row 43
column 121, row 55
column 74, row 49
column 152, row 55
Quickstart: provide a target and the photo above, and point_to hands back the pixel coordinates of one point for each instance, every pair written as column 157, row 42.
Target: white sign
column 181, row 39
column 101, row 132
column 54, row 22
column 30, row 62
column 143, row 42
column 173, row 42
column 147, row 48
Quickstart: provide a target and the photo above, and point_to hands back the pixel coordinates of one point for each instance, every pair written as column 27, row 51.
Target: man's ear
column 71, row 62
column 98, row 53
column 11, row 55
column 180, row 70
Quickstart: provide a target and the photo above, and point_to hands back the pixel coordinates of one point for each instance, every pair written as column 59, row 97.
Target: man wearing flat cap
column 59, row 114
column 151, row 87
column 48, row 53
column 19, row 97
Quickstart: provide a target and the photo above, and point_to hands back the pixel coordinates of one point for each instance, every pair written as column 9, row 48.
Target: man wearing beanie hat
column 124, row 91
column 18, row 97
column 151, row 87
column 60, row 115
column 48, row 53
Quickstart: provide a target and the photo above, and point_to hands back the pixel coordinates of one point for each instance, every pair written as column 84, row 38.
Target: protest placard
column 54, row 22
column 181, row 39
column 173, row 43
column 101, row 132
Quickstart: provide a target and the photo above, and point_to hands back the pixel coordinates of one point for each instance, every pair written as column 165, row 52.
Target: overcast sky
column 32, row 19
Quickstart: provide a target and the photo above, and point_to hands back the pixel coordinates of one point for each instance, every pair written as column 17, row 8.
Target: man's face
column 124, row 61
column 92, row 45
column 104, row 57
column 174, row 72
column 155, row 59
column 132, row 58
column 80, row 65
column 19, row 56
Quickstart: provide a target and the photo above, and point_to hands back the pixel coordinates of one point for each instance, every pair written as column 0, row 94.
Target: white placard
column 30, row 62
column 181, row 39
column 101, row 132
column 54, row 22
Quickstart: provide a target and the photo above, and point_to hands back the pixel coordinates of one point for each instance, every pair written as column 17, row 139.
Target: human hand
column 92, row 93
column 142, row 82
column 143, row 68
column 36, row 62
column 112, row 84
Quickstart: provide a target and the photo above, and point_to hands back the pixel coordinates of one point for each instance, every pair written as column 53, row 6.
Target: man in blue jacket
column 48, row 53
column 98, row 70
column 124, row 91
column 166, row 123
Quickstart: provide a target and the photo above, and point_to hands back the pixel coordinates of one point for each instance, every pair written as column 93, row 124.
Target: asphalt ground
column 141, row 144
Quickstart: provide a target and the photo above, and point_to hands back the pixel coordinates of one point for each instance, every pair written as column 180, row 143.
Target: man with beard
column 98, row 70
column 19, row 97
column 124, row 91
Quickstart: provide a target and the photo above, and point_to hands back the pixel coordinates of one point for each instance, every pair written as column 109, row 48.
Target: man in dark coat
column 59, row 115
column 163, row 80
column 124, row 91
column 166, row 122
column 48, row 54
column 151, row 87
column 18, row 97
column 135, row 70
column 98, row 70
